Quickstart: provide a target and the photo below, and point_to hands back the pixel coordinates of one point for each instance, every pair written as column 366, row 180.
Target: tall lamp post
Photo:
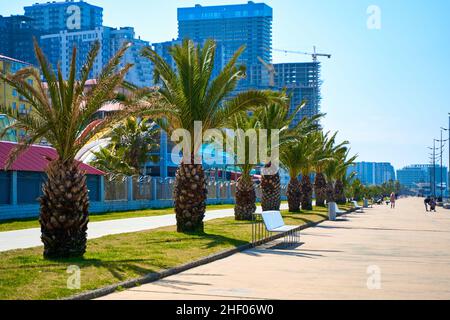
column 448, row 168
column 433, row 174
column 441, row 141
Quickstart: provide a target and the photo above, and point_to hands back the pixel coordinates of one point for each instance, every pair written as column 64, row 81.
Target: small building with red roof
column 21, row 184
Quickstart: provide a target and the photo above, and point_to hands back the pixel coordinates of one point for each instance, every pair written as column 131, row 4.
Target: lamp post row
column 441, row 148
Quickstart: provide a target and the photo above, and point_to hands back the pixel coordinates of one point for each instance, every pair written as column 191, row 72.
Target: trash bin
column 332, row 211
column 366, row 203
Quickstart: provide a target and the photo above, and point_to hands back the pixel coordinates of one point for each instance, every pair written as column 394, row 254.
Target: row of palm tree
column 320, row 155
column 63, row 113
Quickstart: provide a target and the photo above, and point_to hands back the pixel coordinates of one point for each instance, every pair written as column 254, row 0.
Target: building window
column 14, row 106
column 14, row 92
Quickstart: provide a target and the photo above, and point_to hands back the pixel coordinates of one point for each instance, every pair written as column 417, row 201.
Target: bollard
column 366, row 203
column 332, row 211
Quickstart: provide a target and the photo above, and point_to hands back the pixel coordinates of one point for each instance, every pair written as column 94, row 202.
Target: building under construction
column 302, row 82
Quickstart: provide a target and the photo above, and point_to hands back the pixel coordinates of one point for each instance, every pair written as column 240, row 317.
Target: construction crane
column 315, row 57
column 314, row 54
column 271, row 69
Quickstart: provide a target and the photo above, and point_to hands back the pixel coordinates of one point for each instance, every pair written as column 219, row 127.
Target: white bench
column 338, row 211
column 274, row 223
column 357, row 206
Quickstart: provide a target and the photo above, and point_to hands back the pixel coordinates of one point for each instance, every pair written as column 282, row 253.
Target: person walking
column 433, row 205
column 427, row 202
column 393, row 199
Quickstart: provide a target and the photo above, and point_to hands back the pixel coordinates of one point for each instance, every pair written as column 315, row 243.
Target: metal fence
column 123, row 188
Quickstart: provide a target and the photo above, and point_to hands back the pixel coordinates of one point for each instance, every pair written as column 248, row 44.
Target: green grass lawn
column 11, row 225
column 24, row 274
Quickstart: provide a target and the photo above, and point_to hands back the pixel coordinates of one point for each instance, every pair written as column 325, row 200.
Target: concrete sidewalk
column 28, row 238
column 380, row 254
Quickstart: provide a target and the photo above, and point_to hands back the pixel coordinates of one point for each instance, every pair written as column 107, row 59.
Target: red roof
column 35, row 159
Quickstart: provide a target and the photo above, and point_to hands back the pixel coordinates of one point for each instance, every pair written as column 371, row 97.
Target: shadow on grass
column 215, row 240
column 121, row 269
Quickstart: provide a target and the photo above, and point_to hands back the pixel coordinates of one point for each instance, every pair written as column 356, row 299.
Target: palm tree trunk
column 64, row 212
column 339, row 193
column 306, row 193
column 330, row 192
column 294, row 195
column 190, row 195
column 245, row 199
column 320, row 187
column 271, row 192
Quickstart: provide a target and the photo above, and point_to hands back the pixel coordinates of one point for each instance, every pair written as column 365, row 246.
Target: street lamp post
column 432, row 168
column 448, row 129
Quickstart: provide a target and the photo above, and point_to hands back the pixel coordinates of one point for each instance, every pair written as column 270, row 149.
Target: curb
column 152, row 277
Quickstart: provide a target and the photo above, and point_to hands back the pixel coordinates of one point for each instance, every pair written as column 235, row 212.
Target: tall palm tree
column 308, row 145
column 245, row 189
column 291, row 160
column 345, row 161
column 276, row 116
column 326, row 147
column 62, row 113
column 195, row 96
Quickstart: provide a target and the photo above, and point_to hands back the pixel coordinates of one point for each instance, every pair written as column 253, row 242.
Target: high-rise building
column 16, row 38
column 53, row 17
column 373, row 173
column 423, row 179
column 69, row 24
column 58, row 48
column 232, row 26
column 141, row 74
column 162, row 49
column 302, row 83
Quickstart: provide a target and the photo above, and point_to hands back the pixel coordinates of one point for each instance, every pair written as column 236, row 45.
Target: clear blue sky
column 387, row 90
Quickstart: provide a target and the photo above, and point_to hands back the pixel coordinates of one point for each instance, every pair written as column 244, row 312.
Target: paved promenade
column 379, row 254
column 29, row 238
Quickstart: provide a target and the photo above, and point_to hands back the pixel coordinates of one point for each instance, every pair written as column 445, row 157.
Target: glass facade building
column 373, row 173
column 233, row 26
column 16, row 38
column 424, row 179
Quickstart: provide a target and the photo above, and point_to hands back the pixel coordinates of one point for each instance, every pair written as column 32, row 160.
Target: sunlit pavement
column 29, row 238
column 380, row 254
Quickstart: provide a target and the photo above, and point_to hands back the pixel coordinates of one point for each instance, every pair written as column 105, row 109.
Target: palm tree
column 308, row 145
column 291, row 160
column 62, row 113
column 276, row 116
column 323, row 154
column 112, row 161
column 129, row 147
column 342, row 180
column 245, row 189
column 195, row 97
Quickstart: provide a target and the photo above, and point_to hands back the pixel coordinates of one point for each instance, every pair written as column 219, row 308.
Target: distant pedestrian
column 433, row 205
column 427, row 202
column 393, row 198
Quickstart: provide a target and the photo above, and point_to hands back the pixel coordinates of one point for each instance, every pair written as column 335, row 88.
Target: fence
column 108, row 193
